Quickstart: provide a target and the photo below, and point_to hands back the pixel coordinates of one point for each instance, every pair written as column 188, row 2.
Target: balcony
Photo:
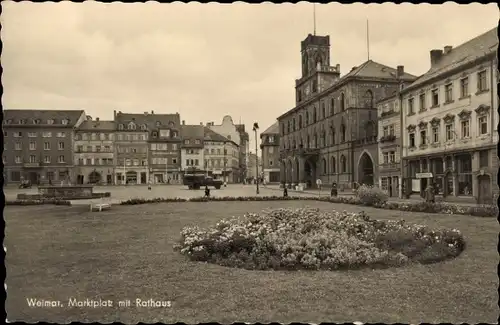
column 388, row 113
column 387, row 138
column 31, row 165
column 389, row 166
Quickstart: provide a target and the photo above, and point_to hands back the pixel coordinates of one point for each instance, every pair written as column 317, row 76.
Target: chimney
column 201, row 123
column 354, row 68
column 183, row 122
column 152, row 112
column 400, row 71
column 436, row 56
column 447, row 49
column 89, row 118
column 97, row 119
column 114, row 114
column 337, row 67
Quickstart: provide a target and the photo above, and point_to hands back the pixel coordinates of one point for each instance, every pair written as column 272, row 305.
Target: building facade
column 253, row 161
column 221, row 157
column 192, row 153
column 164, row 148
column 38, row 145
column 94, row 152
column 450, row 122
column 236, row 133
column 270, row 148
column 331, row 133
column 131, row 149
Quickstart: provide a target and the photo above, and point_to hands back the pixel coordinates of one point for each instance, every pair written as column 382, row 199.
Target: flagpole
column 314, row 17
column 368, row 38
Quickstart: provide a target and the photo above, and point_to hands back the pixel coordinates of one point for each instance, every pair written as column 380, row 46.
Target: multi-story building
column 253, row 161
column 131, row 148
column 94, row 152
column 221, row 157
column 38, row 144
column 236, row 133
column 450, row 122
column 331, row 133
column 164, row 147
column 270, row 148
column 192, row 153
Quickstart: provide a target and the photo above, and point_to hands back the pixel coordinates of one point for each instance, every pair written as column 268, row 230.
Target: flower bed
column 38, row 202
column 311, row 239
column 445, row 208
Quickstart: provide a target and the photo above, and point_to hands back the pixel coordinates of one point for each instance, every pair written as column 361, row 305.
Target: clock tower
column 315, row 52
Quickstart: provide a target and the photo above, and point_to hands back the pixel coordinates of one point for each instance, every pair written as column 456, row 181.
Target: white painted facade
column 192, row 157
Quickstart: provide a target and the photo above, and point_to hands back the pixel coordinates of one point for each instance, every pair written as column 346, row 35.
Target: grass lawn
column 57, row 252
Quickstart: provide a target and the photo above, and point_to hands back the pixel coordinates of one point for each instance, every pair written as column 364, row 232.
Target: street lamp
column 255, row 128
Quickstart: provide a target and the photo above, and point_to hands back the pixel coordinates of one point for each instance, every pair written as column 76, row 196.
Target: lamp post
column 255, row 128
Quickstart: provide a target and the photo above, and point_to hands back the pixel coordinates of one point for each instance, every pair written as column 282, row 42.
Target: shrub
column 371, row 196
column 136, row 201
column 39, row 202
column 310, row 239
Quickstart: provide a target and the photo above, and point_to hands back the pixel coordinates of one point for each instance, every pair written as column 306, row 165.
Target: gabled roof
column 43, row 116
column 480, row 46
column 372, row 69
column 149, row 119
column 97, row 125
column 273, row 129
column 191, row 133
column 211, row 135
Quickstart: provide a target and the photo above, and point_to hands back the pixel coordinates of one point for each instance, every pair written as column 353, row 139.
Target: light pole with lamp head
column 255, row 128
column 225, row 162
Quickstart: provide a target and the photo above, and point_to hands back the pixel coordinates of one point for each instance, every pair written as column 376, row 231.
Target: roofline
column 456, row 69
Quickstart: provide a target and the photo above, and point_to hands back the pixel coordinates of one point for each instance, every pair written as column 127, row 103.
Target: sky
column 206, row 61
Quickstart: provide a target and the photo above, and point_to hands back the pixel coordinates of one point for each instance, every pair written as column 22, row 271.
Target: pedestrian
column 429, row 194
column 285, row 192
column 334, row 192
column 207, row 191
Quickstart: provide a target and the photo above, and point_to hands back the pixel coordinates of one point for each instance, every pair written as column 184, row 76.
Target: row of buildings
column 46, row 146
column 382, row 126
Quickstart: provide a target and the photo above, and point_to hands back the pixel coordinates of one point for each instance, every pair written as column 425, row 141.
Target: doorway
column 485, row 196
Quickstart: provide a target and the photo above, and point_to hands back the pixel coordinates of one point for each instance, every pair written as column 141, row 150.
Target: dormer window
column 171, row 124
column 143, row 127
column 36, row 121
column 120, row 126
column 131, row 126
column 174, row 134
column 64, row 121
column 155, row 134
column 22, row 121
column 186, row 141
column 197, row 141
column 158, row 123
column 50, row 121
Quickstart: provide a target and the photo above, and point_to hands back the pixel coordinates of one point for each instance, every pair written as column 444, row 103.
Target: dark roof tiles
column 43, row 116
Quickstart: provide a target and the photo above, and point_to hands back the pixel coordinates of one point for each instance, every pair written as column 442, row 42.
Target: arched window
column 308, row 142
column 315, row 116
column 342, row 133
column 369, row 129
column 324, row 167
column 323, row 138
column 332, row 106
column 301, row 143
column 332, row 131
column 343, row 164
column 333, row 166
column 323, row 110
column 300, row 121
column 294, row 144
column 342, row 102
column 307, row 118
column 288, row 127
column 315, row 141
column 294, row 124
column 120, row 126
column 368, row 99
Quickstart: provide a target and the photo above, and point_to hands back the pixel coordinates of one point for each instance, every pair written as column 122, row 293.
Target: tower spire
column 368, row 39
column 314, row 17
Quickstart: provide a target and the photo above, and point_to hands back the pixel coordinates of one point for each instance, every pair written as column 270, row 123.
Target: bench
column 100, row 206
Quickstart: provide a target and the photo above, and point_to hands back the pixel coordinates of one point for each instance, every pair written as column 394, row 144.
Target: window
column 342, row 133
column 186, row 141
column 315, row 86
column 32, row 135
column 391, row 129
column 270, row 162
column 448, row 93
column 332, row 106
column 98, row 148
column 385, row 131
column 435, row 134
column 270, row 139
column 481, row 81
column 46, row 146
column 483, row 125
column 165, row 133
column 423, row 138
column 484, row 157
column 32, row 159
column 435, row 97
column 343, row 164
column 89, row 149
column 465, row 127
column 324, row 166
column 422, row 102
column 64, row 121
column 333, row 165
column 334, row 140
column 18, row 134
column 18, row 160
column 342, row 102
column 50, row 121
column 174, row 146
column 412, row 140
column 464, row 87
column 449, row 132
column 61, row 146
column 315, row 115
column 411, row 108
column 46, row 159
column 187, row 162
column 386, row 157
column 392, row 157
column 131, row 126
column 32, row 145
column 88, row 161
column 61, row 134
column 47, row 134
column 307, row 118
column 323, row 110
column 17, row 146
column 294, row 126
